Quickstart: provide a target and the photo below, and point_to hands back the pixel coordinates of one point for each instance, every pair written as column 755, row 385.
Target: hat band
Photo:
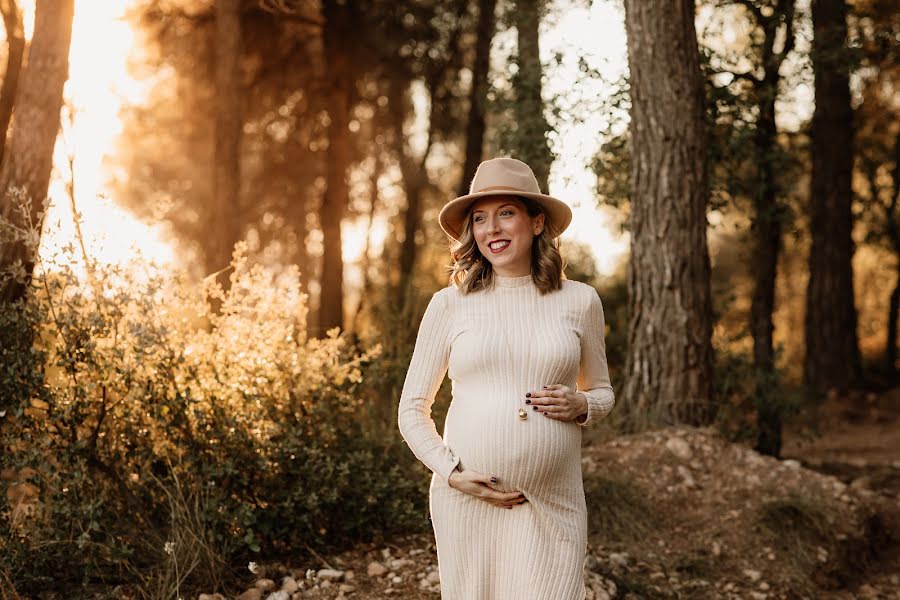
column 505, row 188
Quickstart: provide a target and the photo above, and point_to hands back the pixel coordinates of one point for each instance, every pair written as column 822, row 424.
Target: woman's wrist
column 581, row 417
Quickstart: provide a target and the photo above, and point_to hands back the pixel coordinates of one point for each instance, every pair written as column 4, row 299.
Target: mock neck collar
column 501, row 281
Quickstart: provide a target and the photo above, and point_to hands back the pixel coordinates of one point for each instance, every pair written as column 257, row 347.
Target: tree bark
column 225, row 225
column 670, row 362
column 15, row 51
column 29, row 161
column 768, row 214
column 334, row 202
column 832, row 348
column 532, row 145
column 478, row 94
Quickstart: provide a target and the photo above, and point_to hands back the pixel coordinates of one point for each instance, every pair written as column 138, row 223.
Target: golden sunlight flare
column 99, row 84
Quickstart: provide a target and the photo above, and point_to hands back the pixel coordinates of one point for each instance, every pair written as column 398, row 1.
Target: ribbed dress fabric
column 496, row 345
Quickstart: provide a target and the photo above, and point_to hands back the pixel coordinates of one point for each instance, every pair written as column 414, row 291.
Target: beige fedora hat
column 502, row 176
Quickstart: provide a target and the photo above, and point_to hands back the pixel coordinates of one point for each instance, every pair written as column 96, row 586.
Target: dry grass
column 802, row 529
column 798, row 525
column 618, row 509
column 187, row 553
column 7, row 589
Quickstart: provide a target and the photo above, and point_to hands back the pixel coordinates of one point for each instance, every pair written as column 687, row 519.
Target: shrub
column 148, row 440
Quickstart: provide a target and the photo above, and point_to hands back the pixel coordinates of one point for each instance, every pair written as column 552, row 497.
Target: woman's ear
column 538, row 224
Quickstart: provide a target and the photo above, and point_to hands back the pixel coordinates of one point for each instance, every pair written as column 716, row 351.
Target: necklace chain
column 523, row 413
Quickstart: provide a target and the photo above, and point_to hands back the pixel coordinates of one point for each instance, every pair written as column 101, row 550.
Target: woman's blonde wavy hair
column 471, row 271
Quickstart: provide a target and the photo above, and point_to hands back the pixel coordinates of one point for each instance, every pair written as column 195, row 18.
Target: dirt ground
column 857, row 440
column 682, row 513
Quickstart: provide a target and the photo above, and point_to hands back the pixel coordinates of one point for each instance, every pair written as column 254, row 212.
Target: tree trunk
column 412, row 167
column 414, row 186
column 298, row 214
column 670, row 362
column 767, row 220
column 893, row 234
column 890, row 355
column 764, row 265
column 415, row 180
column 366, row 288
column 532, row 146
column 832, row 348
column 334, row 202
column 478, row 94
column 15, row 50
column 29, row 161
column 225, row 226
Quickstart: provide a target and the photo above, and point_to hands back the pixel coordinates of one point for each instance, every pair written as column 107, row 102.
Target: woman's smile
column 499, row 246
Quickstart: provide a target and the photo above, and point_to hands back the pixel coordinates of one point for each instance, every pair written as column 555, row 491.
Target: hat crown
column 500, row 173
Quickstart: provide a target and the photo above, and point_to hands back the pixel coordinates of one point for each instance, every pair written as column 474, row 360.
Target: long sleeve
column 423, row 378
column 593, row 375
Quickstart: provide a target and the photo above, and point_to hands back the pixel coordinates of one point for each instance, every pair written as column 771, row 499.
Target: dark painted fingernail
column 493, row 480
column 535, row 407
column 528, row 395
column 528, row 402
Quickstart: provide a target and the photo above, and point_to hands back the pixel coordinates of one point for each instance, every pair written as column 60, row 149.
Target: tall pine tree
column 670, row 361
column 832, row 350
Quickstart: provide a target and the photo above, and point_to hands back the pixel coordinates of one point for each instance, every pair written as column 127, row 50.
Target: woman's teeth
column 498, row 246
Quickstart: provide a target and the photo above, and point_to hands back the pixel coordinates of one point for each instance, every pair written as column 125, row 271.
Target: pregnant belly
column 490, row 438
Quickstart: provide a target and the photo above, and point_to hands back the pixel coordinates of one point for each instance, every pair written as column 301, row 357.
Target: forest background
column 230, row 381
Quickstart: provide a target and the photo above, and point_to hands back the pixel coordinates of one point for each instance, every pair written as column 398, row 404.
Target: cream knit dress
column 499, row 344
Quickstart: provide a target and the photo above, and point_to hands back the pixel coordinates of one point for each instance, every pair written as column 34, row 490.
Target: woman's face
column 504, row 232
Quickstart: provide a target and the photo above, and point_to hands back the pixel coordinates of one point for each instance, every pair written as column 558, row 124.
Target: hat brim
column 454, row 212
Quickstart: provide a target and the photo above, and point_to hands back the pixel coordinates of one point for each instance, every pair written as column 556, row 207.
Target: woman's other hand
column 478, row 485
column 558, row 402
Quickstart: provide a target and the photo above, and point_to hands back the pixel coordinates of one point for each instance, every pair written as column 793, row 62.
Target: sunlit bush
column 143, row 434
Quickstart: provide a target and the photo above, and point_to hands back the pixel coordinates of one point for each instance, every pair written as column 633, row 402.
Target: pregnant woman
column 526, row 356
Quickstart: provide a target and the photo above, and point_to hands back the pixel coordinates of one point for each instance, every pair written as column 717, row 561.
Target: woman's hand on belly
column 558, row 401
column 478, row 485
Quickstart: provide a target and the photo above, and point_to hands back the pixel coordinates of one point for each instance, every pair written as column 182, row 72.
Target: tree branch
column 787, row 8
column 772, row 60
column 15, row 41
